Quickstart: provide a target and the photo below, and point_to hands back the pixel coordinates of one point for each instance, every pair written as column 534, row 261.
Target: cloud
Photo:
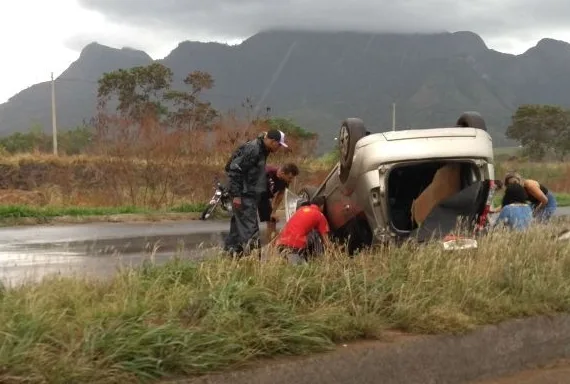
column 225, row 19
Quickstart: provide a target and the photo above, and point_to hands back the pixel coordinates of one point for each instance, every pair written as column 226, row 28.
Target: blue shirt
column 515, row 216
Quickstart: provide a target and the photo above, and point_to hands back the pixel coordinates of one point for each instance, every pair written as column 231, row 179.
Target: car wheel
column 351, row 130
column 471, row 120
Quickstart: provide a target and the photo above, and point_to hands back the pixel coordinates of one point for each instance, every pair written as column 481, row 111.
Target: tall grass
column 188, row 318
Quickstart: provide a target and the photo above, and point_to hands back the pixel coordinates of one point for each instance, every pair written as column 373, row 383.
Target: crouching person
column 306, row 233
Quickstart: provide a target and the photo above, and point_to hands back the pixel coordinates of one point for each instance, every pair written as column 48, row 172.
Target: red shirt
column 304, row 220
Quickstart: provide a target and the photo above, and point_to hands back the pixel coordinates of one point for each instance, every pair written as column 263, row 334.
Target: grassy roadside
column 22, row 214
column 185, row 318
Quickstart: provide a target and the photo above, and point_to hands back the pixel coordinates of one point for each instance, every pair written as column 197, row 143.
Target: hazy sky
column 41, row 36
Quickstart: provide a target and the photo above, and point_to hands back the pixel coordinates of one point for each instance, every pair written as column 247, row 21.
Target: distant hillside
column 76, row 91
column 319, row 78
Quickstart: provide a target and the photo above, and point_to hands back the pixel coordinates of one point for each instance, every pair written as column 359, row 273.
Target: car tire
column 351, row 130
column 471, row 120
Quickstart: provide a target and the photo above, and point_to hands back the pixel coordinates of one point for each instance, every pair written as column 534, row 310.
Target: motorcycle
column 221, row 196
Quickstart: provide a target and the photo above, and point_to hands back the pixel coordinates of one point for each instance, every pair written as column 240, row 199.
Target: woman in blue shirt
column 516, row 213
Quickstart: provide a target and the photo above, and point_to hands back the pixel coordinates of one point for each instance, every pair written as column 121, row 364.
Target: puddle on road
column 25, row 264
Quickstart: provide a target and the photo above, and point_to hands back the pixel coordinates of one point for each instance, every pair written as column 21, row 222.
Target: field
column 41, row 188
column 163, row 174
column 186, row 318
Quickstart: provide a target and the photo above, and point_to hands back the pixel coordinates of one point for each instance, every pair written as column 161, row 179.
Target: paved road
column 31, row 252
column 558, row 374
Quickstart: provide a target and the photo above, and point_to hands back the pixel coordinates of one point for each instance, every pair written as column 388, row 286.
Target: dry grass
column 188, row 318
column 157, row 170
column 97, row 181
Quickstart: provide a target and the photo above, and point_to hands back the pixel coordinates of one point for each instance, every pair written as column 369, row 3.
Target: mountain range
column 320, row 78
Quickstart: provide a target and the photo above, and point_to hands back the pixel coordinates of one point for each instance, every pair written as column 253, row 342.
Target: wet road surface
column 32, row 252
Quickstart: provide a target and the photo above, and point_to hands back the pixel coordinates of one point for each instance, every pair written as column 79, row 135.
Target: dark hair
column 514, row 193
column 318, row 200
column 499, row 184
column 291, row 169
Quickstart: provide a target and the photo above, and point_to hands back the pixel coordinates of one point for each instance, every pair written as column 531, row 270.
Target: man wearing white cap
column 247, row 182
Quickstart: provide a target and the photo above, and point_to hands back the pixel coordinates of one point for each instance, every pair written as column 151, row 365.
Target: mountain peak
column 96, row 59
column 471, row 40
column 556, row 49
column 96, row 49
column 552, row 44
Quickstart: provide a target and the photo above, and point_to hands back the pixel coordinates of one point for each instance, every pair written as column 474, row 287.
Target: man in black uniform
column 247, row 183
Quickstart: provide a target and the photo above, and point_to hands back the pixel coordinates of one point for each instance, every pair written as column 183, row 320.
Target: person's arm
column 496, row 209
column 237, row 169
column 533, row 188
column 277, row 199
column 324, row 229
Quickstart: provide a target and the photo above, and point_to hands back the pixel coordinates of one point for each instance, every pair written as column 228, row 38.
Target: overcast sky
column 41, row 36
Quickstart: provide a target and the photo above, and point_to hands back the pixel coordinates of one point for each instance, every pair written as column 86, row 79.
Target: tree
column 540, row 129
column 302, row 140
column 139, row 90
column 144, row 92
column 191, row 110
column 289, row 127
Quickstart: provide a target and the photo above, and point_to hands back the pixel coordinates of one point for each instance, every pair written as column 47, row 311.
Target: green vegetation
column 186, row 318
column 563, row 199
column 42, row 214
column 71, row 142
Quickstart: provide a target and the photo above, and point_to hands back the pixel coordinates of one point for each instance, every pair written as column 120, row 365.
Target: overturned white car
column 397, row 185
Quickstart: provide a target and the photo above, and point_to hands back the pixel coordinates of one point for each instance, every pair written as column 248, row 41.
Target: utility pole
column 53, row 117
column 393, row 116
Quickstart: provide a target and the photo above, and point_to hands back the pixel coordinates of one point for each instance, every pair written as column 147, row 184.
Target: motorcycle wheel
column 208, row 211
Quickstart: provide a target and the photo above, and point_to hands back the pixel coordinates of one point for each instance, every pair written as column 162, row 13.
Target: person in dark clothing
column 247, row 182
column 278, row 179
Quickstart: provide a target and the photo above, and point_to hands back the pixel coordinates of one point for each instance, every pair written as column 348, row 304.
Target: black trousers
column 244, row 227
column 313, row 248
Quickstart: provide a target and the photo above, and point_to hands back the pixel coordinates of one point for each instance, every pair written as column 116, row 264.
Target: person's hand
column 236, row 202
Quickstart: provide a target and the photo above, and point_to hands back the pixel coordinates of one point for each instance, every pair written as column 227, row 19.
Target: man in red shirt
column 305, row 233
